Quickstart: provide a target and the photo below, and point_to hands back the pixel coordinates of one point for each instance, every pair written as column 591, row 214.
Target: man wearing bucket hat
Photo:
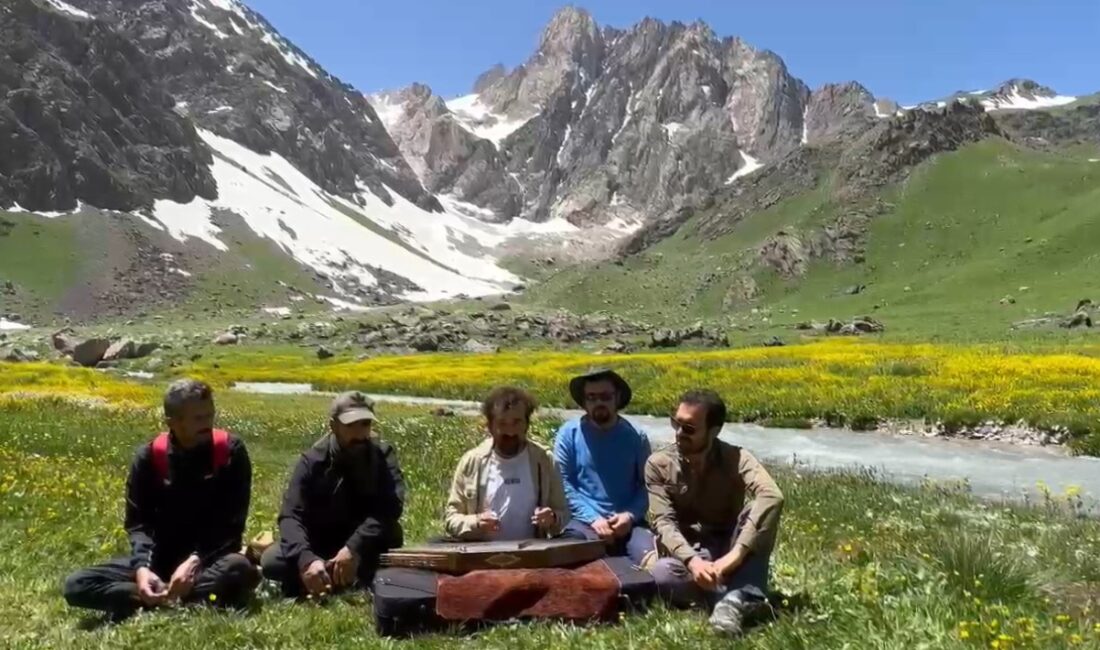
column 342, row 509
column 601, row 457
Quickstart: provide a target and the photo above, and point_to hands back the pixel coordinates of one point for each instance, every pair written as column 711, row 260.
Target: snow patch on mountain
column 332, row 235
column 292, row 57
column 1019, row 102
column 69, row 9
column 479, row 119
column 750, row 165
column 11, row 326
column 195, row 8
column 564, row 141
column 494, row 234
column 275, row 87
column 389, row 111
column 672, row 128
column 18, row 209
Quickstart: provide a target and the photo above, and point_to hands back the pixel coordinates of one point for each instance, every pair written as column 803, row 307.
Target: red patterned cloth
column 588, row 593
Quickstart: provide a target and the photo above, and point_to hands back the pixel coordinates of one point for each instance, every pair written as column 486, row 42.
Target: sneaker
column 733, row 612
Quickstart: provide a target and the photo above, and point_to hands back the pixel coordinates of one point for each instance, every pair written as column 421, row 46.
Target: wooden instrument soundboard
column 463, row 557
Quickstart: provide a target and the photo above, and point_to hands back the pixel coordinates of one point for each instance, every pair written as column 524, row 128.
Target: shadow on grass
column 92, row 622
column 783, row 605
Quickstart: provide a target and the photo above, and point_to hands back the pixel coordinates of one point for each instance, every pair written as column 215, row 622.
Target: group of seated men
column 679, row 513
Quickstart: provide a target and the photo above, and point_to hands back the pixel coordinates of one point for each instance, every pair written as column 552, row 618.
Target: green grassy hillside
column 968, row 229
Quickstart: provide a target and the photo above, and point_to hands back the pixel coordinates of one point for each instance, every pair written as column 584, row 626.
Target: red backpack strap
column 160, row 456
column 221, row 449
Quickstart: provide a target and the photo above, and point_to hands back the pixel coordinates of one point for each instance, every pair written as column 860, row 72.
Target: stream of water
column 993, row 470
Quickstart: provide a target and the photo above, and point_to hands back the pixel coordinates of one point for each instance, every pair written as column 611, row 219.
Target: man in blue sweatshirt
column 602, row 457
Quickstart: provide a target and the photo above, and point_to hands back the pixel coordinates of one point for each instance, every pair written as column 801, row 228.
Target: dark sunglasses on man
column 680, row 427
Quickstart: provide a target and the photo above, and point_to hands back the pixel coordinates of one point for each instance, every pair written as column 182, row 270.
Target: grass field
column 843, row 381
column 861, row 564
column 968, row 229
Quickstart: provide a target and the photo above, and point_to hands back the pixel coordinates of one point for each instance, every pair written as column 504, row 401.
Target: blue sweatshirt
column 603, row 472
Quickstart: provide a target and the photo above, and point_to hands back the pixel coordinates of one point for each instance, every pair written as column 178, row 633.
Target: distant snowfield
column 750, row 166
column 7, row 325
column 390, row 112
column 332, row 235
column 445, row 254
column 18, row 209
column 479, row 119
column 69, row 9
column 1016, row 101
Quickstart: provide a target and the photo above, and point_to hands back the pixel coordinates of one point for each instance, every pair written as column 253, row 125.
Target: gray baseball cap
column 351, row 407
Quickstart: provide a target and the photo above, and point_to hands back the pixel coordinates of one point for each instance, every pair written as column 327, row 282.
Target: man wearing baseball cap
column 342, row 509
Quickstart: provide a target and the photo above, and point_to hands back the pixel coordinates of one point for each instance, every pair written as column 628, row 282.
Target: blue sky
column 907, row 50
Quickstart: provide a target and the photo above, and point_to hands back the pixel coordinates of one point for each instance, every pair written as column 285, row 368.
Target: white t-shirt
column 508, row 489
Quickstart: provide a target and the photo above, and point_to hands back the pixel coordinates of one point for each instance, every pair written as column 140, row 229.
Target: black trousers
column 112, row 587
column 284, row 570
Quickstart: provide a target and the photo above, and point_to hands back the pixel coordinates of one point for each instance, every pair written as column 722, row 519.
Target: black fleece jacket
column 199, row 511
column 331, row 503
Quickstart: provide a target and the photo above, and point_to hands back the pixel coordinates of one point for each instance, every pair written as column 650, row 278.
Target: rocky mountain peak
column 890, row 150
column 1025, row 87
column 571, row 33
column 570, row 52
column 838, row 110
column 489, row 77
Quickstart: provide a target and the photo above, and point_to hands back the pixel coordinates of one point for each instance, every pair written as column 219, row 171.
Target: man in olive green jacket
column 506, row 488
column 717, row 548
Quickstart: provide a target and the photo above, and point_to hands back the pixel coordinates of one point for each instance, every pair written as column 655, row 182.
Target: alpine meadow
column 297, row 360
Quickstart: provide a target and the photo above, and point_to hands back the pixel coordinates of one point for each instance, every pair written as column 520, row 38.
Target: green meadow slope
column 968, row 229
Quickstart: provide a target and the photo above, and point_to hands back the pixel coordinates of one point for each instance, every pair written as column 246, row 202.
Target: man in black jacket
column 187, row 500
column 342, row 508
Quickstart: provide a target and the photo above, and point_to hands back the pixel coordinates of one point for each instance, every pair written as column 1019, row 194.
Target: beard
column 601, row 415
column 691, row 447
column 508, row 446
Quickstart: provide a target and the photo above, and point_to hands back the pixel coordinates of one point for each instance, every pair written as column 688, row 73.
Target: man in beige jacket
column 506, row 488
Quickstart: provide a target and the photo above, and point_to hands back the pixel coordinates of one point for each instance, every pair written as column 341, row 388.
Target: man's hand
column 621, row 524
column 183, row 579
column 543, row 518
column 730, row 562
column 603, row 529
column 151, row 589
column 315, row 578
column 344, row 567
column 704, row 573
column 488, row 522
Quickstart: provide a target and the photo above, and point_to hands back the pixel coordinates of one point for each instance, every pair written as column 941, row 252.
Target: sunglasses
column 681, row 427
column 595, row 398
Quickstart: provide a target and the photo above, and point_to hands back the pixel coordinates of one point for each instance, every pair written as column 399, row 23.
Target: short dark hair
column 711, row 401
column 506, row 397
column 185, row 391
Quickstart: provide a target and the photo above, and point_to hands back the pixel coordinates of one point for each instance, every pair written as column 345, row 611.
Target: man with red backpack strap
column 187, row 500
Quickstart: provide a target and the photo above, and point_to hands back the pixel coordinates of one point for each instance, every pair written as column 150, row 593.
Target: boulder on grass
column 15, row 355
column 90, row 352
column 474, row 346
column 124, row 349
